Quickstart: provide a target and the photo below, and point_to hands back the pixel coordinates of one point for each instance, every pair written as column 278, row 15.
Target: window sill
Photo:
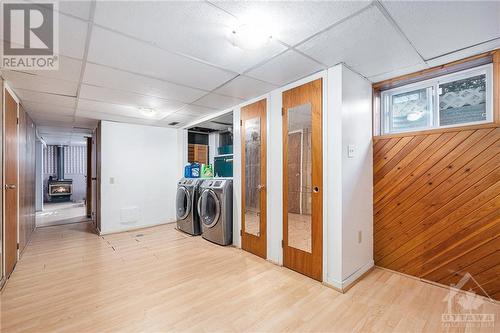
column 437, row 130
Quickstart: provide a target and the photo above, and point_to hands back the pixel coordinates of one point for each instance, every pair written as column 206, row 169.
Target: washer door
column 209, row 208
column 183, row 203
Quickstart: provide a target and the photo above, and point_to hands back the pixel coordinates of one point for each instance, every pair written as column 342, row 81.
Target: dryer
column 186, row 199
column 215, row 208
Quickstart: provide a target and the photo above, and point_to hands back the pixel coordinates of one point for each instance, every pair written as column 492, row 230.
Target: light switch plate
column 351, row 151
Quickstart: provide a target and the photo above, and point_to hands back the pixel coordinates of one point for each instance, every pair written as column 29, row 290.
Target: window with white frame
column 458, row 99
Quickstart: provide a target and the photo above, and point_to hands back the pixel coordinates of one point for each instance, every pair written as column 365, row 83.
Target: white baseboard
column 343, row 285
column 117, row 231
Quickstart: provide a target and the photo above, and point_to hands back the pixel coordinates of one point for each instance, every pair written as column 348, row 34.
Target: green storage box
column 224, row 150
column 223, row 166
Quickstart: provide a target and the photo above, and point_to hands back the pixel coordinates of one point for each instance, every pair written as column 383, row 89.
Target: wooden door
column 253, row 178
column 11, row 183
column 88, row 195
column 303, row 179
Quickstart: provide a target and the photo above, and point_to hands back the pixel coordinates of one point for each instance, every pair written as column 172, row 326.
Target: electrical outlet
column 360, row 236
column 351, row 151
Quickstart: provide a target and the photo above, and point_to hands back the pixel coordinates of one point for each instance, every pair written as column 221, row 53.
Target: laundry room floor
column 159, row 280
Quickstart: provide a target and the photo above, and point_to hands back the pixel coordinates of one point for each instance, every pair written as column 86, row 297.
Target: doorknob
column 316, row 189
column 10, row 186
column 261, row 187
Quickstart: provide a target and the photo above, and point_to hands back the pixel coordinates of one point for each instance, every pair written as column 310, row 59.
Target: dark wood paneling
column 437, row 206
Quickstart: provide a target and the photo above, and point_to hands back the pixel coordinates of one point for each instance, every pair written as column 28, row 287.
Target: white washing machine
column 186, row 199
column 215, row 208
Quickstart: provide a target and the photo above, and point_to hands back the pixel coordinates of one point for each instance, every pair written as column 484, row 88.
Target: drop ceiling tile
column 44, row 98
column 79, row 9
column 245, row 88
column 194, row 110
column 439, row 27
column 493, row 45
column 180, row 119
column 121, row 52
column 97, row 108
column 69, row 70
column 396, row 73
column 38, row 83
column 125, row 98
column 194, row 28
column 217, row 102
column 293, row 21
column 41, row 110
column 367, row 42
column 51, row 129
column 113, row 78
column 72, row 36
column 285, row 68
column 115, row 117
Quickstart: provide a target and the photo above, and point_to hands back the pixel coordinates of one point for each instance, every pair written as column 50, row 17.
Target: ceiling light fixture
column 414, row 116
column 148, row 112
column 250, row 37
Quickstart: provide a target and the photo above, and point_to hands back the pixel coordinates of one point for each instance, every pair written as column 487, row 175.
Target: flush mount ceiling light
column 148, row 112
column 414, row 116
column 250, row 37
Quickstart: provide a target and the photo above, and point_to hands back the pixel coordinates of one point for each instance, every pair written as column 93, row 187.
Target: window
column 458, row 99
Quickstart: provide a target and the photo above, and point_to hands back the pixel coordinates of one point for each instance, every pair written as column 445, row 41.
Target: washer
column 215, row 207
column 186, row 199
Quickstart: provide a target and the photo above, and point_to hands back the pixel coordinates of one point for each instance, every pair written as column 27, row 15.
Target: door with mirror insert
column 253, row 178
column 303, row 179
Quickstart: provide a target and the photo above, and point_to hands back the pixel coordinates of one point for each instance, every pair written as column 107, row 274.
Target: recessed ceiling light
column 250, row 37
column 148, row 112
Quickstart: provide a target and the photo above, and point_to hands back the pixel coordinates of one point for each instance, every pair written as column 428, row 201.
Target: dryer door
column 209, row 208
column 183, row 203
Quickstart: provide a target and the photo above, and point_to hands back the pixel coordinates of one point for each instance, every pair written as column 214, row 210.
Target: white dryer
column 186, row 199
column 215, row 208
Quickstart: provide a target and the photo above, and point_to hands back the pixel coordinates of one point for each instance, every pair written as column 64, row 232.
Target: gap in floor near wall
column 61, row 213
column 161, row 280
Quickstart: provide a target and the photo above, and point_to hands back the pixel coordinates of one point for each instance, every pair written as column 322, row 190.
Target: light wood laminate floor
column 160, row 280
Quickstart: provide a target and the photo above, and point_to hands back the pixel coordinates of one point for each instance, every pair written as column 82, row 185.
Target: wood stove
column 60, row 189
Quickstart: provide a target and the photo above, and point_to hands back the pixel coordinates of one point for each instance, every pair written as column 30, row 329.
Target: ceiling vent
column 173, row 123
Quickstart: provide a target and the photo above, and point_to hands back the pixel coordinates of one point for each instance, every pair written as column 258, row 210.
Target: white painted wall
column 139, row 173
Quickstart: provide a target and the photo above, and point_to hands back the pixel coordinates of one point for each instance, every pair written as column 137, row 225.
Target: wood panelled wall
column 437, row 206
column 27, row 137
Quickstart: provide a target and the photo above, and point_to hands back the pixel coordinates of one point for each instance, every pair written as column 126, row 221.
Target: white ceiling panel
column 45, row 98
column 285, row 68
column 195, row 111
column 366, row 42
column 126, row 98
column 398, row 72
column 39, row 83
column 79, row 9
column 41, row 110
column 81, row 124
column 495, row 44
column 194, row 28
column 99, row 108
column 72, row 36
column 439, row 27
column 292, row 21
column 115, row 117
column 69, row 70
column 217, row 102
column 245, row 88
column 113, row 78
column 118, row 51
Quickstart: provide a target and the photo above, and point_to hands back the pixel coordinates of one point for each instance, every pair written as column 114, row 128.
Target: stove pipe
column 60, row 162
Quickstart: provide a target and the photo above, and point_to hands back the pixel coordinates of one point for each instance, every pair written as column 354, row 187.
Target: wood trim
column 89, row 178
column 436, row 131
column 377, row 87
column 249, row 242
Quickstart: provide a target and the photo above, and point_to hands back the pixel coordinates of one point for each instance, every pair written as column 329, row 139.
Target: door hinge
column 18, row 246
column 17, row 120
column 282, row 243
column 241, row 233
column 241, row 122
column 282, row 111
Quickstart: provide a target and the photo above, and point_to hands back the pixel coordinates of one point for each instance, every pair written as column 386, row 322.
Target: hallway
column 158, row 280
